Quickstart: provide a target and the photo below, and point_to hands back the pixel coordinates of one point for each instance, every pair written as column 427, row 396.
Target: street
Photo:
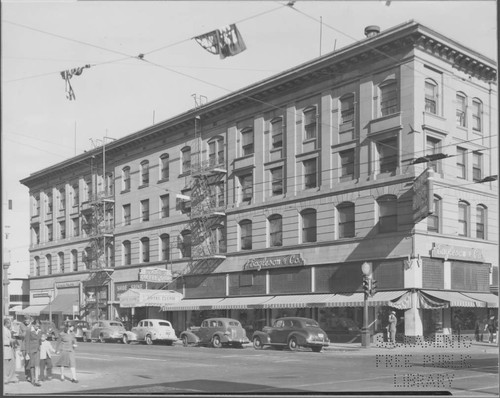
column 115, row 368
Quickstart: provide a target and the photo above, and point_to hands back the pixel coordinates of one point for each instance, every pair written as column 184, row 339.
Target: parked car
column 105, row 330
column 80, row 327
column 293, row 332
column 50, row 329
column 150, row 331
column 216, row 332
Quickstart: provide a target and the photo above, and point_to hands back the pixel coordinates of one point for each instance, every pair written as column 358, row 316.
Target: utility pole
column 366, row 269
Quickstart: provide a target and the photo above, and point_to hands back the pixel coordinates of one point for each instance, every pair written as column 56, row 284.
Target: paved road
column 138, row 369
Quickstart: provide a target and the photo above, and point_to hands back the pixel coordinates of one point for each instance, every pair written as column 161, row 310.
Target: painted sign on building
column 149, row 298
column 61, row 285
column 449, row 252
column 158, row 275
column 121, row 288
column 273, row 262
column 423, row 196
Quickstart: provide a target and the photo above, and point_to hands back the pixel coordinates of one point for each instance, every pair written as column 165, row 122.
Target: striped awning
column 453, row 299
column 298, row 301
column 192, row 305
column 490, row 299
column 234, row 303
column 395, row 298
column 33, row 310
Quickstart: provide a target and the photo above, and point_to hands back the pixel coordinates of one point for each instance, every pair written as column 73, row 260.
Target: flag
column 226, row 41
column 67, row 75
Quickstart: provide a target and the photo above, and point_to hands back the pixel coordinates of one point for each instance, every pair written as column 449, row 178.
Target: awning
column 192, row 305
column 16, row 308
column 235, row 303
column 33, row 310
column 63, row 303
column 298, row 301
column 452, row 299
column 490, row 299
column 400, row 299
column 149, row 298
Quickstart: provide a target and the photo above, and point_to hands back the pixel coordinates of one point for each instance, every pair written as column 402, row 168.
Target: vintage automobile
column 150, row 331
column 293, row 332
column 216, row 332
column 79, row 328
column 105, row 330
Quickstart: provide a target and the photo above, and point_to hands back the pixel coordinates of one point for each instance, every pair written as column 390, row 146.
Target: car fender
column 264, row 337
column 223, row 337
column 301, row 339
column 192, row 338
column 131, row 336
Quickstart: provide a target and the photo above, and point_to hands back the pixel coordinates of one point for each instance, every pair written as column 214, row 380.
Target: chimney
column 372, row 30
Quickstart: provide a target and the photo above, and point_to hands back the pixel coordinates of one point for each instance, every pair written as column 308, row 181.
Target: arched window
column 461, row 106
column 186, row 159
column 275, row 230
column 165, row 247
column 389, row 103
column 185, row 243
column 60, row 258
column 126, row 252
column 345, row 212
column 481, row 222
column 431, row 96
column 37, row 265
column 433, row 220
column 48, row 262
column 74, row 260
column 309, row 227
column 144, row 173
column 463, row 218
column 387, row 213
column 126, row 178
column 164, row 167
column 477, row 115
column 145, row 250
column 245, row 235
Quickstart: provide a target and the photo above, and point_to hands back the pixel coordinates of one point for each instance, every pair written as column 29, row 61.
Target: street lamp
column 366, row 269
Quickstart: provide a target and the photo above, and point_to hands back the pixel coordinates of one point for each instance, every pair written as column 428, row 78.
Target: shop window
column 345, row 212
column 388, row 213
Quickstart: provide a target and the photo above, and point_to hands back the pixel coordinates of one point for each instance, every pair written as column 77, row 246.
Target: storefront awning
column 450, row 299
column 16, row 308
column 149, row 298
column 233, row 303
column 298, row 301
column 396, row 298
column 33, row 310
column 63, row 303
column 192, row 305
column 490, row 299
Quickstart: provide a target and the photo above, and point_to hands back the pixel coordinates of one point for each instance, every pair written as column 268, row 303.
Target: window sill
column 143, row 186
column 185, row 174
column 125, row 190
column 308, row 140
column 163, row 180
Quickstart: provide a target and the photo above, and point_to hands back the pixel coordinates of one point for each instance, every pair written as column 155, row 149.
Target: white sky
column 119, row 96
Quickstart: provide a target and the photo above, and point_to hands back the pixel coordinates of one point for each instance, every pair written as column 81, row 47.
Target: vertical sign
column 423, row 195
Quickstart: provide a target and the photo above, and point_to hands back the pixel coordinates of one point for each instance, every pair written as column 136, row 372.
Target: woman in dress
column 66, row 345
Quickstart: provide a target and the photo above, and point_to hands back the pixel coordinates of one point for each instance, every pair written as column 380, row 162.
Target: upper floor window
column 310, row 167
column 145, row 210
column 346, row 165
column 76, row 226
column 220, row 194
column 126, row 178
column 126, row 214
column 433, row 146
column 35, row 234
column 144, row 172
column 165, row 247
column 277, row 133
column 477, row 115
column 388, row 155
column 48, row 259
column 186, row 159
column 433, row 220
column 461, row 112
column 275, row 230
column 164, row 167
column 347, row 109
column 463, row 218
column 387, row 213
column 110, row 184
column 246, row 184
column 49, row 203
column 247, row 141
column 481, row 222
column 277, row 181
column 461, row 162
column 36, row 205
column 246, row 235
column 345, row 212
column 126, row 252
column 37, row 265
column 309, row 226
column 431, row 96
column 145, row 250
column 76, row 195
column 389, row 98
column 185, row 243
column 62, row 229
column 88, row 189
column 74, row 260
column 165, row 206
column 310, row 123
column 218, row 239
column 50, row 232
column 60, row 258
column 62, row 199
column 477, row 166
column 216, row 151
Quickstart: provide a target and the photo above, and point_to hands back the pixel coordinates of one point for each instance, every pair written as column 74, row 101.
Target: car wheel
column 148, row 340
column 292, row 344
column 125, row 339
column 216, row 342
column 185, row 341
column 101, row 338
column 317, row 349
column 257, row 343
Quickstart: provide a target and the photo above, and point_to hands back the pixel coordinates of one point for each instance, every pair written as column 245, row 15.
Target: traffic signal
column 373, row 287
column 366, row 286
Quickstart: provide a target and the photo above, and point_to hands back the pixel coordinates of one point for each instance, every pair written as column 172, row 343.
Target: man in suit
column 32, row 343
column 23, row 329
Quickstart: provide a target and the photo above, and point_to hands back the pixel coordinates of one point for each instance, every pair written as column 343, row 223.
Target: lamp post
column 366, row 269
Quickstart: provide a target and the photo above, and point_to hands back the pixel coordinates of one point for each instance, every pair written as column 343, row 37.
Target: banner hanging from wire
column 67, row 75
column 226, row 41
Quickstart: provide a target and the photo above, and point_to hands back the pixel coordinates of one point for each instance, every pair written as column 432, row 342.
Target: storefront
column 65, row 305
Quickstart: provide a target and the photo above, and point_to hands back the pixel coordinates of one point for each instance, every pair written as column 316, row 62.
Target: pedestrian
column 9, row 357
column 479, row 329
column 23, row 329
column 32, row 351
column 66, row 345
column 457, row 325
column 492, row 329
column 392, row 327
column 46, row 352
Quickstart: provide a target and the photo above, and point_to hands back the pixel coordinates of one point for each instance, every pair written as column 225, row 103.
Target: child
column 46, row 351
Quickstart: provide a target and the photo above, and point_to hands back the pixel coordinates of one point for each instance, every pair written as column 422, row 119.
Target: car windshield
column 166, row 324
column 116, row 324
column 311, row 322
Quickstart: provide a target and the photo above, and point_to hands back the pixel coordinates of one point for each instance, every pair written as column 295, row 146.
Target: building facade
column 266, row 202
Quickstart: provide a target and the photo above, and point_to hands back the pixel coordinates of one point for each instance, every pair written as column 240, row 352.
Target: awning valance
column 490, row 299
column 63, row 303
column 234, row 303
column 149, row 298
column 400, row 299
column 33, row 310
column 298, row 301
column 16, row 308
column 444, row 299
column 192, row 305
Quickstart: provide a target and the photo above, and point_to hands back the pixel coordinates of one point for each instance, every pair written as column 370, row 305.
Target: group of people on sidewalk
column 36, row 352
column 487, row 325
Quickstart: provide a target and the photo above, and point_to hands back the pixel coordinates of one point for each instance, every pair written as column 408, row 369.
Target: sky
column 120, row 94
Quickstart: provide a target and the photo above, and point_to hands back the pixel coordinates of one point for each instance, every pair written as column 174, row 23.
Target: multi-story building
column 268, row 201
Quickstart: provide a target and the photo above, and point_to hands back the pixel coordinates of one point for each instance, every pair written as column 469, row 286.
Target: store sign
column 61, row 285
column 121, row 288
column 149, row 298
column 449, row 252
column 158, row 275
column 90, row 299
column 423, row 196
column 274, row 262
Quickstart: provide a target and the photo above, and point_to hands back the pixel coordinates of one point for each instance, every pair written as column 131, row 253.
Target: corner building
column 267, row 201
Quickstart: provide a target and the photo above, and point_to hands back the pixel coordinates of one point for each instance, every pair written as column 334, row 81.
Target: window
column 477, row 114
column 309, row 226
column 387, row 213
column 60, row 259
column 186, row 159
column 76, row 195
column 110, row 184
column 433, row 146
column 247, row 147
column 50, row 232
column 388, row 155
column 62, row 230
column 145, row 210
column 461, row 109
column 126, row 179
column 62, row 199
column 347, row 109
column 76, row 226
column 48, row 262
column 220, row 194
column 246, row 184
column 126, row 214
column 477, row 166
column 246, row 235
column 310, row 173
column 185, row 244
column 36, row 205
column 463, row 218
column 218, row 238
column 481, row 222
column 165, row 247
column 144, row 173
column 388, row 98
column 433, row 219
column 49, row 203
column 165, row 206
column 461, row 162
column 431, row 96
column 275, row 230
column 145, row 250
column 216, row 152
column 164, row 167
column 277, row 181
column 345, row 213
column 88, row 190
column 35, row 237
column 310, row 123
column 74, row 260
column 127, row 252
column 346, row 165
column 277, row 133
column 37, row 266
